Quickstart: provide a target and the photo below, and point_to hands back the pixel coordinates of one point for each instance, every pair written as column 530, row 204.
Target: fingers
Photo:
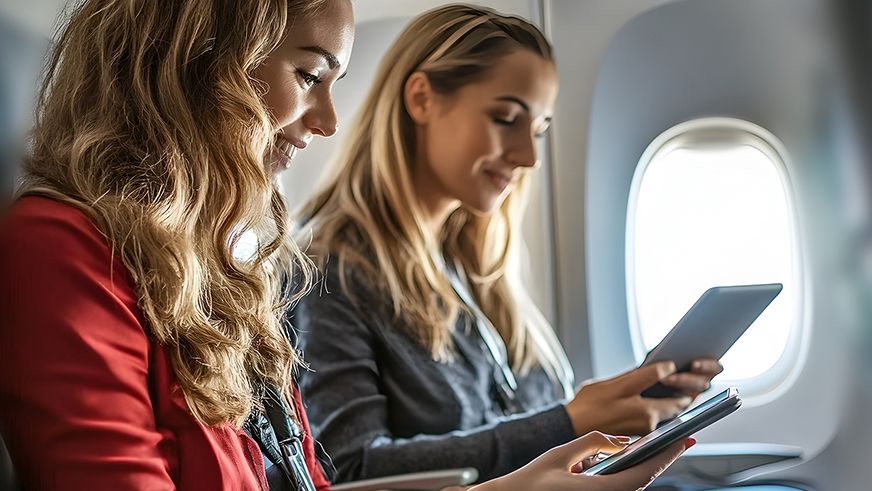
column 641, row 475
column 706, row 366
column 637, row 380
column 598, row 457
column 698, row 379
column 668, row 408
column 577, row 450
column 688, row 382
column 648, row 413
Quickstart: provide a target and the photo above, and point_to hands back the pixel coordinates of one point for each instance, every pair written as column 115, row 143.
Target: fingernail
column 619, row 440
column 696, row 365
column 689, row 443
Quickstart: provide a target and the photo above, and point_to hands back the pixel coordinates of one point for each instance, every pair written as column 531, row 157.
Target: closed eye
column 308, row 78
column 504, row 122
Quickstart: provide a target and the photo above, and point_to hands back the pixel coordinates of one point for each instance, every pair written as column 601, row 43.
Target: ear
column 419, row 97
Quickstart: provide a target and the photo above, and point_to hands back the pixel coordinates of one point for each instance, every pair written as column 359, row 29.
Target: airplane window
column 711, row 205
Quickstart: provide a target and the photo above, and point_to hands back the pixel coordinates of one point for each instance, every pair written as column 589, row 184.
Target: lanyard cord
column 506, row 383
column 458, row 280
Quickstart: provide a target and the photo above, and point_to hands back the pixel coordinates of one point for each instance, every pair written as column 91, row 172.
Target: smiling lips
column 285, row 147
column 499, row 180
column 284, row 151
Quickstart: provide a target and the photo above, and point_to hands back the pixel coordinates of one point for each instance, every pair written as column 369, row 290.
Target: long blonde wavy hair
column 151, row 121
column 367, row 214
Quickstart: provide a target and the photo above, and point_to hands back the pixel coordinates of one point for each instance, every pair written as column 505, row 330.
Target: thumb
column 635, row 381
column 571, row 453
column 641, row 475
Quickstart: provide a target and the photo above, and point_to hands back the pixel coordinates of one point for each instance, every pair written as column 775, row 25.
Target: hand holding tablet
column 630, row 467
column 712, row 325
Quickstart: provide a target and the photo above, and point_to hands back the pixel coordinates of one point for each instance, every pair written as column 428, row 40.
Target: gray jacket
column 381, row 406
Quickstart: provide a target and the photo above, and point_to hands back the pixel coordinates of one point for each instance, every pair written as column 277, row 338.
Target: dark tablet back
column 712, row 325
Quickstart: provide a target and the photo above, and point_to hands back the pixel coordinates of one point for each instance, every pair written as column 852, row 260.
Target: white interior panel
column 763, row 62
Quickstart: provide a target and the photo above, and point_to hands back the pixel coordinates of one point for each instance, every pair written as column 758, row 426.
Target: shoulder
column 48, row 244
column 343, row 304
column 341, row 287
column 347, row 272
column 35, row 225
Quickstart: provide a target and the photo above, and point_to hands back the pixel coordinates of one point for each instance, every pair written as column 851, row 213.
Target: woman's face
column 300, row 75
column 477, row 143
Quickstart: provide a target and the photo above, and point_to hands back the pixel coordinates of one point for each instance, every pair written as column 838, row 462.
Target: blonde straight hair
column 151, row 121
column 367, row 214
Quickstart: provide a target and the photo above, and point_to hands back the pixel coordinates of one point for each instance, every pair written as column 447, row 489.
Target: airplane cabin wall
column 771, row 63
column 581, row 31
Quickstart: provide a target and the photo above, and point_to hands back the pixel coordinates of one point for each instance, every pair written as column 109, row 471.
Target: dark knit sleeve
column 348, row 406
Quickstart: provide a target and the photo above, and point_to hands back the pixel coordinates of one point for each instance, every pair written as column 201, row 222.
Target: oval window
column 711, row 205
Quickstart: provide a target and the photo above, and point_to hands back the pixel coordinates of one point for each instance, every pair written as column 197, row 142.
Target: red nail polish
column 689, row 443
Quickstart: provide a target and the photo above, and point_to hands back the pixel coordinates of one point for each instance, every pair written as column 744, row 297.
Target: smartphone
column 679, row 428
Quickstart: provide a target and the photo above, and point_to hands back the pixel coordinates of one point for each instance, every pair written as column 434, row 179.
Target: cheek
column 457, row 154
column 283, row 98
column 459, row 146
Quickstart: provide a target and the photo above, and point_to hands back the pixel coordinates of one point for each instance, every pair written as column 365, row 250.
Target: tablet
column 712, row 325
column 679, row 428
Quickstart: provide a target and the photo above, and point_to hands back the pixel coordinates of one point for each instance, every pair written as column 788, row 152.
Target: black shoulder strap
column 259, row 428
column 281, row 441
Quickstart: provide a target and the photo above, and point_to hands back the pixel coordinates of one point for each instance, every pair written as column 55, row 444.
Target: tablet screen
column 665, row 432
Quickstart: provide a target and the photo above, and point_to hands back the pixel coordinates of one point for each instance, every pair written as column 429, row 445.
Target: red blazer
column 88, row 399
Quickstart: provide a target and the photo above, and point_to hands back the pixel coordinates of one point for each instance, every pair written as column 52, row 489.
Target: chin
column 483, row 208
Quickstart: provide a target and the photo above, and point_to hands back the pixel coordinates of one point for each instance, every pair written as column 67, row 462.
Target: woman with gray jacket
column 426, row 351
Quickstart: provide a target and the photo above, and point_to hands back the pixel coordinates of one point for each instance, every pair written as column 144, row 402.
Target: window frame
column 730, row 132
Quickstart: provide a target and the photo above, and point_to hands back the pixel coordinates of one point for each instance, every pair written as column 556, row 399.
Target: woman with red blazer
column 140, row 348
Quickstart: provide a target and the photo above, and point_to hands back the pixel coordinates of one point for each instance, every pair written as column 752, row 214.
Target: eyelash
column 308, row 79
column 510, row 122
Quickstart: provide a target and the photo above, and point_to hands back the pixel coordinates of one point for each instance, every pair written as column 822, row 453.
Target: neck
column 436, row 211
column 433, row 199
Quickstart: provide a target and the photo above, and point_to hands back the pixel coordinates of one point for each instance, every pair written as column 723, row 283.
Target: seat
column 421, row 481
column 7, row 476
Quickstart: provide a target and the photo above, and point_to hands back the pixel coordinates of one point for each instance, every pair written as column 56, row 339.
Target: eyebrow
column 332, row 61
column 511, row 98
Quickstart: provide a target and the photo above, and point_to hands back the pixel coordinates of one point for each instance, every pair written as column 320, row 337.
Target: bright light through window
column 710, row 213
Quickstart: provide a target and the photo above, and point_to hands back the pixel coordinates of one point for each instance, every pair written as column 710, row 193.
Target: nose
column 523, row 152
column 321, row 119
